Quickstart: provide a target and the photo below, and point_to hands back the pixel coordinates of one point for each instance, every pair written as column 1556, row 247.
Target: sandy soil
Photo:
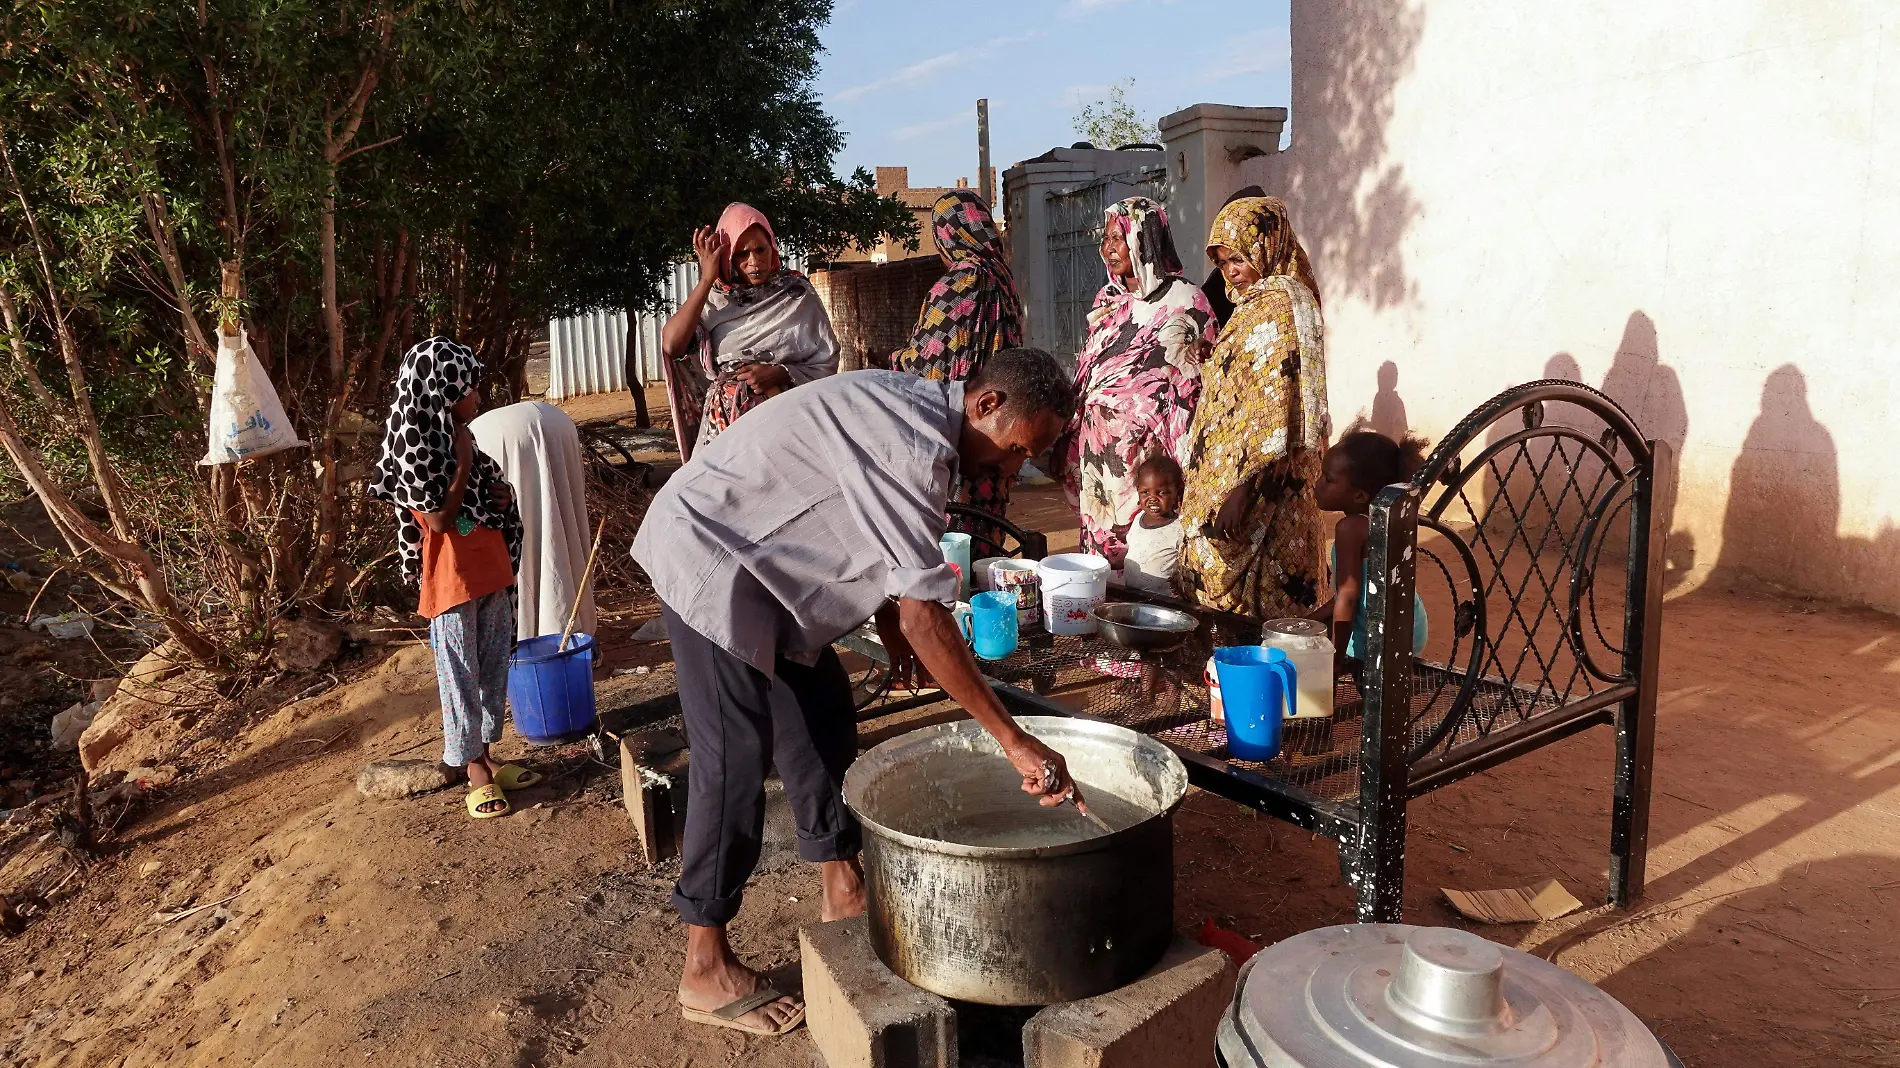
column 344, row 930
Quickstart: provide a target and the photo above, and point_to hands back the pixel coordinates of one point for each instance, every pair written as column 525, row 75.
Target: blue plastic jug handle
column 964, row 620
column 1291, row 677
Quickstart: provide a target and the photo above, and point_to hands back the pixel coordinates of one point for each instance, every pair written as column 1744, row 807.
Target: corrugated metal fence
column 588, row 353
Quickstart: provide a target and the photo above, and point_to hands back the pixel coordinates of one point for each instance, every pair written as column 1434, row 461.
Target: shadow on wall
column 1784, row 508
column 1650, row 391
column 1549, row 492
column 1352, row 206
column 1388, row 408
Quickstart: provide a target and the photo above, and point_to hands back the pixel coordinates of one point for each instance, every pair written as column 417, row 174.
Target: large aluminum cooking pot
column 976, row 892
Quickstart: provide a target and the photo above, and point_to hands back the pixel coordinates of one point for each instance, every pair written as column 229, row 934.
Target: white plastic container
column 1306, row 643
column 1072, row 585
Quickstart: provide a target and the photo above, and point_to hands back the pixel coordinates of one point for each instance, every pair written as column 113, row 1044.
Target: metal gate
column 1075, row 248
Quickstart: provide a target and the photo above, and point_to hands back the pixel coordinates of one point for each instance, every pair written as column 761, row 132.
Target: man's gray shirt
column 794, row 525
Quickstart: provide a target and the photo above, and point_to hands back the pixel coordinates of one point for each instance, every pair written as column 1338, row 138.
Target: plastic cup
column 956, row 550
column 1257, row 690
column 991, row 625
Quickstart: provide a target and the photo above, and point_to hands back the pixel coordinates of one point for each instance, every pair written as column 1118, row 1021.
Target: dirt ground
column 332, row 929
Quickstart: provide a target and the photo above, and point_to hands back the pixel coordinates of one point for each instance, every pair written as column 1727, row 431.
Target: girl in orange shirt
column 459, row 534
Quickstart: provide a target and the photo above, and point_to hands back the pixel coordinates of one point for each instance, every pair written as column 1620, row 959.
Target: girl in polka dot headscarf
column 459, row 535
column 419, row 463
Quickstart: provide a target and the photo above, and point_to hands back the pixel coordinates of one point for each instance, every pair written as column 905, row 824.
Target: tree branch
column 16, row 334
column 85, row 422
column 154, row 596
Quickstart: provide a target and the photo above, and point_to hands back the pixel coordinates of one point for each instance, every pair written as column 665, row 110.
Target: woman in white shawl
column 539, row 451
column 749, row 330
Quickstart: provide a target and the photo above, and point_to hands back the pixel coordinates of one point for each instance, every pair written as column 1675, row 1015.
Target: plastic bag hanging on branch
column 247, row 419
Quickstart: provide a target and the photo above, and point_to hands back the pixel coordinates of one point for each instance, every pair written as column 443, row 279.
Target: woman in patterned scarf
column 1137, row 379
column 969, row 314
column 1254, row 538
column 749, row 330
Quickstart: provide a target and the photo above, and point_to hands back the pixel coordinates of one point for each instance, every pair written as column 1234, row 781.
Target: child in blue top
column 1354, row 470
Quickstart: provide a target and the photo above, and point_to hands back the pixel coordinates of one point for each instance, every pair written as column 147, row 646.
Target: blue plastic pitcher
column 991, row 624
column 1257, row 690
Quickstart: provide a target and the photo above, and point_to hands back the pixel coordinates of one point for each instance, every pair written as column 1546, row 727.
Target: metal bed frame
column 1522, row 507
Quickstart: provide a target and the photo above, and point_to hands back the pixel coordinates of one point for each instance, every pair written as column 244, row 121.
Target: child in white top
column 1154, row 538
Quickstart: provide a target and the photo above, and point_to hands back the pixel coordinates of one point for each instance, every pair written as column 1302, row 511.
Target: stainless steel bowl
column 1144, row 627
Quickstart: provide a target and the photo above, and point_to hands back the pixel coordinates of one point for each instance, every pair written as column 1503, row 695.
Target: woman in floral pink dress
column 1139, row 376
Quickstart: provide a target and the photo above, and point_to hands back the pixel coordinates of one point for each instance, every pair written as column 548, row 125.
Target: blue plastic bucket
column 552, row 691
column 1257, row 688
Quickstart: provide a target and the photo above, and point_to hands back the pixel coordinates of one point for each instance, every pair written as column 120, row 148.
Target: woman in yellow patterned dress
column 1254, row 541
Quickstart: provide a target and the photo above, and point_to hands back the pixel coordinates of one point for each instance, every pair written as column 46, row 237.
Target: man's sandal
column 730, row 1015
column 514, row 777
column 486, row 795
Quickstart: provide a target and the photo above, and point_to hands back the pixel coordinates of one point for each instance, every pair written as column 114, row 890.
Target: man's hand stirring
column 935, row 647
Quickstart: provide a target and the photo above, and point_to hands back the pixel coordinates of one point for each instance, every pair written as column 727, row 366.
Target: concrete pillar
column 1206, row 144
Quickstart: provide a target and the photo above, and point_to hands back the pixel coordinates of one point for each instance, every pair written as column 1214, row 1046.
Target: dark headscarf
column 418, row 461
column 973, row 310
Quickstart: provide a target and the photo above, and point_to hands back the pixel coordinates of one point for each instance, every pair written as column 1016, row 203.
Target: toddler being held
column 1154, row 537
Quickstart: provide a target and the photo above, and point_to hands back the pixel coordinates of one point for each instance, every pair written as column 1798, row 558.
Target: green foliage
column 490, row 165
column 1114, row 122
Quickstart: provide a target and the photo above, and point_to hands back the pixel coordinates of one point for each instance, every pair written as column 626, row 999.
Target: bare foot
column 844, row 890
column 714, row 978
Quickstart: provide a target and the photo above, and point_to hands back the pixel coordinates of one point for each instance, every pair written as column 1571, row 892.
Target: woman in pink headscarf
column 748, row 331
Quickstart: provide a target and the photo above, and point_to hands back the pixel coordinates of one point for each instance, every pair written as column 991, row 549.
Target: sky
column 903, row 89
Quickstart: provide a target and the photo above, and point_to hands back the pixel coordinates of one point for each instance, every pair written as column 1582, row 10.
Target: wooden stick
column 35, row 603
column 580, row 593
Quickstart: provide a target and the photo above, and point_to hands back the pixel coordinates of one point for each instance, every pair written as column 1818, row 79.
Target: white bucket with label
column 1072, row 585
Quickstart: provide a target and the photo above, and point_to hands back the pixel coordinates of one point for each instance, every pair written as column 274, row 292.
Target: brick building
column 895, row 181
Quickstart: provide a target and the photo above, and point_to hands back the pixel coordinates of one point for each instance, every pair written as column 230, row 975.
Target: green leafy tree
column 342, row 180
column 1113, row 122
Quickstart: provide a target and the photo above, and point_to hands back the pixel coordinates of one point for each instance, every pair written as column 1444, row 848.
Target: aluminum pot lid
column 1398, row 996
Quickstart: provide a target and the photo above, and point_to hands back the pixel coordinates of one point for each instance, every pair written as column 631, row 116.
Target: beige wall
column 1693, row 204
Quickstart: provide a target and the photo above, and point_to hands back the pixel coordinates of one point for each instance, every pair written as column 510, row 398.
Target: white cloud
column 965, row 117
column 927, row 70
column 1256, row 53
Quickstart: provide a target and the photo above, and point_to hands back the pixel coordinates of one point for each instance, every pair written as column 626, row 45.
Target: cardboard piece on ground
column 1525, row 904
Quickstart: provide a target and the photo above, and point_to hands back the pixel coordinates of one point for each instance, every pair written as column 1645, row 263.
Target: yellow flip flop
column 483, row 795
column 514, row 777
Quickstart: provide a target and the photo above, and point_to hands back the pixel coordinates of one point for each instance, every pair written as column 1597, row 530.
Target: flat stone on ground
column 390, row 780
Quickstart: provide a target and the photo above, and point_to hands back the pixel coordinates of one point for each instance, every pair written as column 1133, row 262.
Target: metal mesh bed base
column 1165, row 695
